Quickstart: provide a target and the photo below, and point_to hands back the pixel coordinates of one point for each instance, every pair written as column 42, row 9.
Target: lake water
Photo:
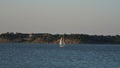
column 25, row 55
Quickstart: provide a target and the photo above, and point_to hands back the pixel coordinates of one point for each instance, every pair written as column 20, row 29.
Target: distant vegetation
column 54, row 38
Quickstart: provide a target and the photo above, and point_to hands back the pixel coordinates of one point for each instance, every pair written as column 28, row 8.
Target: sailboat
column 61, row 42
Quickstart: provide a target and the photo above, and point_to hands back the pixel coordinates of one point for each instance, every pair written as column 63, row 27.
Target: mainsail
column 61, row 42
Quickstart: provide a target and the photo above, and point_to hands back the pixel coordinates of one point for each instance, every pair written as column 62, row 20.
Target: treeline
column 54, row 38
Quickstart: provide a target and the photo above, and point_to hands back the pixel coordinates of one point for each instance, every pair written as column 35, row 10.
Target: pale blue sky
column 60, row 16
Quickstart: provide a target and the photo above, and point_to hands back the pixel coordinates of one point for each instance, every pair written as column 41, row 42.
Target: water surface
column 25, row 55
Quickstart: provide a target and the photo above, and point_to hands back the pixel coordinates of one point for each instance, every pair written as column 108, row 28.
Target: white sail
column 61, row 42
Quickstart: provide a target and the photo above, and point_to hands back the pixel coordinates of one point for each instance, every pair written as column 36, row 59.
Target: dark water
column 15, row 55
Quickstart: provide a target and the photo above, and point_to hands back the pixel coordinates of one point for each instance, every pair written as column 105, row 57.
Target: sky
column 101, row 17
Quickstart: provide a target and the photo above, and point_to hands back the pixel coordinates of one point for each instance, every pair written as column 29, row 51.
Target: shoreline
column 46, row 38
